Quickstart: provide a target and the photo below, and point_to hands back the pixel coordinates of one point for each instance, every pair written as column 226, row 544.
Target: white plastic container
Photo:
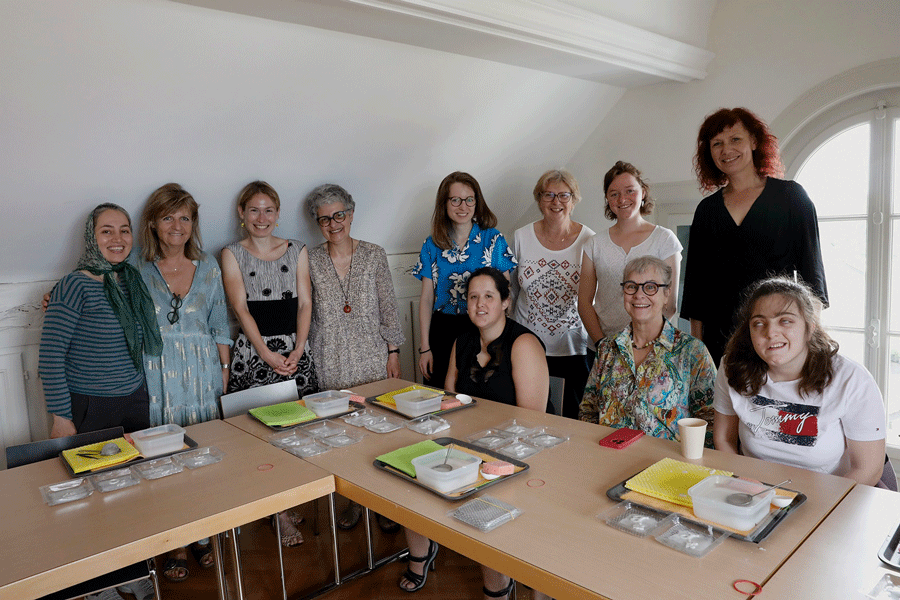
column 418, row 402
column 709, row 501
column 465, row 469
column 325, row 404
column 158, row 440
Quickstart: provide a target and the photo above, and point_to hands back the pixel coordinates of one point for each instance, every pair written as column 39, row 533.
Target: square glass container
column 328, row 403
column 416, row 403
column 159, row 440
column 464, row 472
column 709, row 498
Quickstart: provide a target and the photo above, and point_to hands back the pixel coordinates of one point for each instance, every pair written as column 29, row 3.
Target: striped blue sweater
column 83, row 348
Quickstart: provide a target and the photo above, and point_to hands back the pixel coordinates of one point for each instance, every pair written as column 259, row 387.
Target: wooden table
column 840, row 558
column 48, row 548
column 558, row 546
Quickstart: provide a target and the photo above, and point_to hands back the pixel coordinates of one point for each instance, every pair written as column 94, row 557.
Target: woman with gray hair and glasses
column 651, row 374
column 355, row 332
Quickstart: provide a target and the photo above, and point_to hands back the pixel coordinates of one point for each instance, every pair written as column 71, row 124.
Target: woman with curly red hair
column 752, row 227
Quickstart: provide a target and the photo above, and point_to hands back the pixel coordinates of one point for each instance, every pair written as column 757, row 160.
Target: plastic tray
column 761, row 532
column 200, row 457
column 486, row 513
column 354, row 406
column 428, row 425
column 457, row 495
column 890, row 551
column 158, row 468
column 66, row 491
column 386, row 424
column 115, row 480
column 632, row 518
column 491, row 438
column 190, row 443
column 373, row 400
column 688, row 536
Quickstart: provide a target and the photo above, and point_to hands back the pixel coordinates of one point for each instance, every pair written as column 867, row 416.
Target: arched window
column 848, row 159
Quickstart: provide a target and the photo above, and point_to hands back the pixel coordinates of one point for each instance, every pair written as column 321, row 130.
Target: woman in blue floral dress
column 463, row 239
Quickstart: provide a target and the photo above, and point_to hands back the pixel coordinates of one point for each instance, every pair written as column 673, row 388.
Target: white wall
column 107, row 100
column 768, row 53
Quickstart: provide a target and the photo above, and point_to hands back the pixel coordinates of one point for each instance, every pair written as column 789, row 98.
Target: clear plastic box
column 66, row 491
column 428, row 424
column 115, row 480
column 486, row 513
column 516, row 427
column 465, row 469
column 709, row 499
column 313, row 449
column 518, row 450
column 346, row 438
column 490, row 438
column 361, row 418
column 385, row 424
column 546, row 437
column 416, row 403
column 632, row 518
column 325, row 404
column 291, row 438
column 157, row 469
column 323, row 429
column 687, row 537
column 158, row 440
column 200, row 457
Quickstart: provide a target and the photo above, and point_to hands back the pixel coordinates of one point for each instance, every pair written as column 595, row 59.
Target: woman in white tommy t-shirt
column 785, row 393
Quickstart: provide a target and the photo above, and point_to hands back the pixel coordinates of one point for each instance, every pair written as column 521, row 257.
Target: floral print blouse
column 676, row 380
column 449, row 270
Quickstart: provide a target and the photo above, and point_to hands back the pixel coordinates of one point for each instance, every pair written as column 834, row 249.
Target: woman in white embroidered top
column 787, row 396
column 545, row 285
column 605, row 255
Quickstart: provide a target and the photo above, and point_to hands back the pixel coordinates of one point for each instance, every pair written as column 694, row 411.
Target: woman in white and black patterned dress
column 267, row 284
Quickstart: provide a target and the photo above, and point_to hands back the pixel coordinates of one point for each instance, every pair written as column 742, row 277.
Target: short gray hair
column 326, row 194
column 642, row 264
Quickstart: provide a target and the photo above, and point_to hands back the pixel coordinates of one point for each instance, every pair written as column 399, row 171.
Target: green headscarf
column 138, row 306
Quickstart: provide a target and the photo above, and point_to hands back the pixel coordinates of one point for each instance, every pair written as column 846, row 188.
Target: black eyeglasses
column 175, row 304
column 550, row 196
column 456, row 201
column 325, row 220
column 650, row 287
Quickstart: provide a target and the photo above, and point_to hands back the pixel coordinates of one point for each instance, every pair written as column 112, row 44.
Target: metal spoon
column 742, row 499
column 444, row 467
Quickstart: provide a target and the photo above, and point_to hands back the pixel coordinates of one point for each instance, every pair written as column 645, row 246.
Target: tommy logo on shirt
column 787, row 422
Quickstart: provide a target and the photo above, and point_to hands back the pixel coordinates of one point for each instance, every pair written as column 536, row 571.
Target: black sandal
column 203, row 554
column 417, row 580
column 350, row 517
column 500, row 593
column 175, row 563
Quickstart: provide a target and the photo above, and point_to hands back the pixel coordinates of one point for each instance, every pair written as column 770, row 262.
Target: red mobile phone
column 621, row 438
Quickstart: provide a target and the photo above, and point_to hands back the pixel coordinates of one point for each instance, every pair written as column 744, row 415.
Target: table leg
column 369, row 544
column 238, row 576
column 334, row 540
column 220, row 566
column 280, row 556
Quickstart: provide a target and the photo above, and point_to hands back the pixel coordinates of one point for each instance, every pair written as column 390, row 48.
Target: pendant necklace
column 345, row 293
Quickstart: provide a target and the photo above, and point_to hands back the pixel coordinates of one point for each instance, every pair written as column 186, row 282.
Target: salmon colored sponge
column 498, row 467
column 450, row 403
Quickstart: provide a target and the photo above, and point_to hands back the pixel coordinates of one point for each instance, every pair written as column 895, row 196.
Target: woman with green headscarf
column 99, row 321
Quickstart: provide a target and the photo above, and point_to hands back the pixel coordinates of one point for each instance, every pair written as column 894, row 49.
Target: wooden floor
column 309, row 567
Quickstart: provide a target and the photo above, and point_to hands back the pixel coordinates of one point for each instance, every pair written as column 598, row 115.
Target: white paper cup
column 693, row 436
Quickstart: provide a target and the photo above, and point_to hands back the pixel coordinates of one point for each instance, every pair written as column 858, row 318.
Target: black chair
column 24, row 454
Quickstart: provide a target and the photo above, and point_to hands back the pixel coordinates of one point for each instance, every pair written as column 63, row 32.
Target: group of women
column 591, row 309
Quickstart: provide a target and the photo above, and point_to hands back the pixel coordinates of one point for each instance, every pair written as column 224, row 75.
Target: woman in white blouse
column 605, row 255
column 545, row 285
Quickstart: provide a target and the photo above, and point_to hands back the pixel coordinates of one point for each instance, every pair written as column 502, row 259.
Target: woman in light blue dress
column 185, row 382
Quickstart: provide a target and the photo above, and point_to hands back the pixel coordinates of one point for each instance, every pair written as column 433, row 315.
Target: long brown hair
column 766, row 157
column 163, row 202
column 746, row 371
column 441, row 225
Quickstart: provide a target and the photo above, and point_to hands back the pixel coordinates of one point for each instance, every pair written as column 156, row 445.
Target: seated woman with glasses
column 785, row 395
column 649, row 375
column 462, row 240
column 627, row 201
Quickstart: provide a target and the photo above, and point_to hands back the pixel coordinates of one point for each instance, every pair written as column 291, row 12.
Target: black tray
column 890, row 551
column 191, row 444
column 354, row 406
column 446, row 441
column 373, row 400
column 761, row 532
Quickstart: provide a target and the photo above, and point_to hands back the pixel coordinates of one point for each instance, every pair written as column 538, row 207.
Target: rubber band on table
column 506, row 510
column 533, row 483
column 757, row 590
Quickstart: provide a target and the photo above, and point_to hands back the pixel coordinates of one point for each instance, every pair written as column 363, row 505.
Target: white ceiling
column 605, row 41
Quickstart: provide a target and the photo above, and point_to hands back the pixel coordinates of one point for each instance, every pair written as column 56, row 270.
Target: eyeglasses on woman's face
column 649, row 287
column 549, row 197
column 456, row 201
column 325, row 220
column 175, row 304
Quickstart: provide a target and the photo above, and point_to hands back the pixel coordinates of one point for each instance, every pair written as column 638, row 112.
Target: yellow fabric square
column 81, row 464
column 670, row 480
column 388, row 398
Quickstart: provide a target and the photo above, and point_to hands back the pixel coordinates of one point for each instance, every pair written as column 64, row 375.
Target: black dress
column 494, row 381
column 779, row 235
